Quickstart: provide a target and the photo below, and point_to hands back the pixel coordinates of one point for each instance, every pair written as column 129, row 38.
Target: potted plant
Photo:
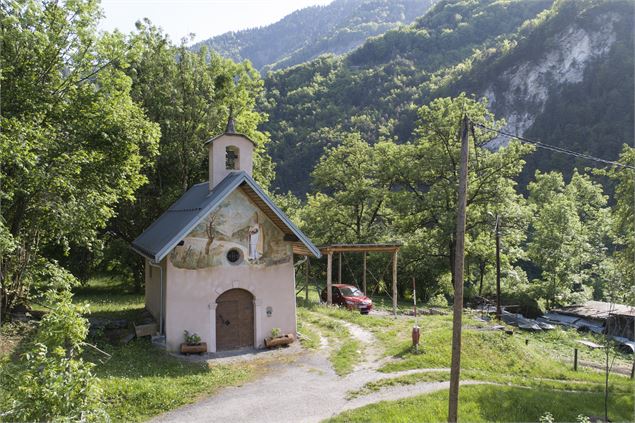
column 192, row 344
column 276, row 339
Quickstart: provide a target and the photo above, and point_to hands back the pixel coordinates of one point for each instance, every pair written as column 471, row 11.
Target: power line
column 555, row 148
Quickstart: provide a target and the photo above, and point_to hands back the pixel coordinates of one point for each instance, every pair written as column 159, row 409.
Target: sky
column 205, row 18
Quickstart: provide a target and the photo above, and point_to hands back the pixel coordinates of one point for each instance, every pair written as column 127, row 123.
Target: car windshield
column 351, row 292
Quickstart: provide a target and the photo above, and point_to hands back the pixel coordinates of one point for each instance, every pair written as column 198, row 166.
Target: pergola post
column 394, row 283
column 329, row 281
column 364, row 274
column 339, row 269
column 306, row 281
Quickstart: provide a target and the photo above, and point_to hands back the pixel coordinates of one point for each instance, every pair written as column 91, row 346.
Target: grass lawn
column 489, row 403
column 109, row 297
column 346, row 351
column 140, row 380
column 529, row 365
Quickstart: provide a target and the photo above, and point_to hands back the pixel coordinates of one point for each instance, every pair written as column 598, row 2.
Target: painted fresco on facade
column 236, row 224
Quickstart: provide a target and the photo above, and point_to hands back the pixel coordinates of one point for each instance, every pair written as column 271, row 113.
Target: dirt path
column 306, row 390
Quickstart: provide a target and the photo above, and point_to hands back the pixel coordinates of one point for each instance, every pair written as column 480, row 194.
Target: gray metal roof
column 183, row 216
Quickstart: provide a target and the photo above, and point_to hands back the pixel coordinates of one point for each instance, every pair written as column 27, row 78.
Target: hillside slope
column 568, row 82
column 307, row 33
column 377, row 88
column 561, row 72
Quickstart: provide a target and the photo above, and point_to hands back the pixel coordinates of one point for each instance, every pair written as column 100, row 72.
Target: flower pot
column 279, row 340
column 194, row 349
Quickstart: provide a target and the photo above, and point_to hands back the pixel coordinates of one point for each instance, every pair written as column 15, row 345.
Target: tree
column 622, row 272
column 190, row 95
column 428, row 178
column 354, row 181
column 568, row 240
column 72, row 142
column 514, row 216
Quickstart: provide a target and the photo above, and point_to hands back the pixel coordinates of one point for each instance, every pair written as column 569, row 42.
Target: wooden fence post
column 575, row 359
column 364, row 274
column 394, row 283
column 329, row 280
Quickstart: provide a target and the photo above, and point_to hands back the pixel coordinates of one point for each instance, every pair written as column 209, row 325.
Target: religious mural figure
column 210, row 232
column 256, row 240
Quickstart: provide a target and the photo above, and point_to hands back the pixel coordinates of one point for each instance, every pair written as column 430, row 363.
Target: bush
column 51, row 382
column 438, row 301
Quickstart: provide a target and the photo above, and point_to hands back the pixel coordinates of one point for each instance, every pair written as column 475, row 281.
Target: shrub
column 51, row 382
column 438, row 301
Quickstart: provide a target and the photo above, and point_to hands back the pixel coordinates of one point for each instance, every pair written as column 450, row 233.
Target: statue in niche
column 256, row 240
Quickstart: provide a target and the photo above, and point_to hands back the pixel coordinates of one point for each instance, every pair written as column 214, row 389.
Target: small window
column 231, row 158
column 234, row 256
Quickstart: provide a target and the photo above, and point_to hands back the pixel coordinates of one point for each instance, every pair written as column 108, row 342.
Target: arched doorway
column 234, row 320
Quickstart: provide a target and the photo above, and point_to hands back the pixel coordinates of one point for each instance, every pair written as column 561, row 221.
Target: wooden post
column 498, row 269
column 329, row 280
column 339, row 269
column 394, row 283
column 306, row 282
column 364, row 274
column 575, row 359
column 455, row 368
column 633, row 370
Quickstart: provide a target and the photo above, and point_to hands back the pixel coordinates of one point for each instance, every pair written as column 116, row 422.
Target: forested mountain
column 559, row 71
column 307, row 33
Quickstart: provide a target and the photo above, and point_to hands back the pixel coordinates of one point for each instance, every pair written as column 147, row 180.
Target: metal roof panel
column 177, row 221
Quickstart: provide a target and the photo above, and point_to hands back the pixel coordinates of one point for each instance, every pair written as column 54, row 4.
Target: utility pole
column 455, row 369
column 498, row 268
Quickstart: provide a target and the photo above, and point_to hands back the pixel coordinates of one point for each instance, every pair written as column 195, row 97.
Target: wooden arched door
column 234, row 320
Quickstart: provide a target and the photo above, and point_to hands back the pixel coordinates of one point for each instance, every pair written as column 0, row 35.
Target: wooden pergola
column 328, row 250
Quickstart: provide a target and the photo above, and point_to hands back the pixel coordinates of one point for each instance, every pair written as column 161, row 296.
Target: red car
column 349, row 297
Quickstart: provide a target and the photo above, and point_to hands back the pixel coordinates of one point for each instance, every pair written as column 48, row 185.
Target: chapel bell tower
column 229, row 152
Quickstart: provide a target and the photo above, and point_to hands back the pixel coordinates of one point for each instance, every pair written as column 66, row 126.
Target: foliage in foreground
column 51, row 381
column 494, row 403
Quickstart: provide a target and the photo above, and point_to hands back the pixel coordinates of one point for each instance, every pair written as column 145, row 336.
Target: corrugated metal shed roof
column 176, row 222
column 597, row 310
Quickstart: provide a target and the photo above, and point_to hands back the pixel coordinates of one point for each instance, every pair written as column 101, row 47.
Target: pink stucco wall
column 198, row 272
column 192, row 294
column 217, row 171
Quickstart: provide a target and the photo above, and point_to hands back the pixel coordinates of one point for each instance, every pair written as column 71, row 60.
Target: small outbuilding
column 219, row 261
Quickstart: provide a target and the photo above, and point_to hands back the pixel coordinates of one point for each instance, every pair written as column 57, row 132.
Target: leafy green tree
column 354, row 181
column 623, row 228
column 377, row 88
column 73, row 143
column 514, row 216
column 569, row 236
column 428, row 177
column 190, row 96
column 51, row 382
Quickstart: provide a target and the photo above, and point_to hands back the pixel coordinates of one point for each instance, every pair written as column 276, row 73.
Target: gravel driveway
column 306, row 390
